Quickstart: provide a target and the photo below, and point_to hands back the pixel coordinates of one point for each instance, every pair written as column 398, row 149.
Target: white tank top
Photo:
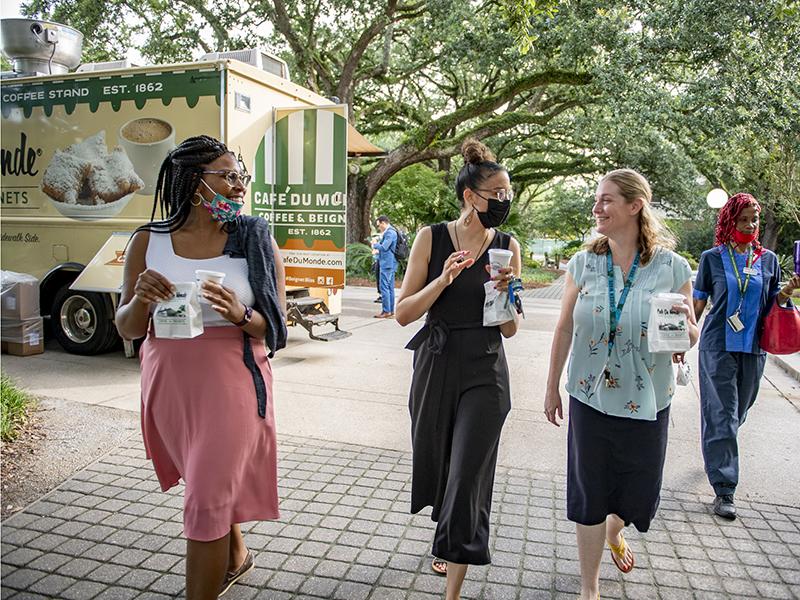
column 161, row 257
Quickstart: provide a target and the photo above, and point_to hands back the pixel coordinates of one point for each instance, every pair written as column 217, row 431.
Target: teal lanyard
column 615, row 313
column 748, row 265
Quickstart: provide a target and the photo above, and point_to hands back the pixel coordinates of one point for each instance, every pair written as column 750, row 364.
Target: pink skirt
column 200, row 423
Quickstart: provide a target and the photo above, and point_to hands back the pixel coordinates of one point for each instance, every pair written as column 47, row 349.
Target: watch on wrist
column 248, row 316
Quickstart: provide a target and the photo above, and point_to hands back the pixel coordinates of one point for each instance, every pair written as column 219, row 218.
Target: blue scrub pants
column 387, row 290
column 728, row 388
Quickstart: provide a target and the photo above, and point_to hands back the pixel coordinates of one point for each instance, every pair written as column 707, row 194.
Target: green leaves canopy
column 690, row 92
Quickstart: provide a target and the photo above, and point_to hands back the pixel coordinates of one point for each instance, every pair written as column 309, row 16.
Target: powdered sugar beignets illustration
column 86, row 181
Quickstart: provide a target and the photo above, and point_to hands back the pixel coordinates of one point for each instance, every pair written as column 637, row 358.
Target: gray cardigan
column 252, row 240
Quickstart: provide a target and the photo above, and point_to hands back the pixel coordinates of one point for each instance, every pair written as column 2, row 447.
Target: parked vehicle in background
column 81, row 152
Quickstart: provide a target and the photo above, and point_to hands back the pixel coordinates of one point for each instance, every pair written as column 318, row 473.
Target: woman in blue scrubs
column 741, row 278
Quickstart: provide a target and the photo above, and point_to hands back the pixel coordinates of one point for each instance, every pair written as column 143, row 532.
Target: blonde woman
column 619, row 393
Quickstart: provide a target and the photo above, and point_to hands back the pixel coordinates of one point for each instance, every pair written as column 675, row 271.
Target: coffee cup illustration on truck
column 147, row 141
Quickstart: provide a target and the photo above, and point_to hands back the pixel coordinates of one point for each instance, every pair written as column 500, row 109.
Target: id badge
column 735, row 322
column 750, row 271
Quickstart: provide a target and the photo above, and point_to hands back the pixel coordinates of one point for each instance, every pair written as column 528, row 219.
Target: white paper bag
column 667, row 328
column 180, row 317
column 684, row 374
column 496, row 307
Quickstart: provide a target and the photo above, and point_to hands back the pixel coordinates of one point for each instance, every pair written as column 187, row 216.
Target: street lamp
column 717, row 198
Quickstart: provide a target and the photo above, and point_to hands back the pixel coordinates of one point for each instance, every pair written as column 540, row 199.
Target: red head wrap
column 726, row 221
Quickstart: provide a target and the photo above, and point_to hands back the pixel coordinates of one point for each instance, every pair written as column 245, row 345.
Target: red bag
column 781, row 334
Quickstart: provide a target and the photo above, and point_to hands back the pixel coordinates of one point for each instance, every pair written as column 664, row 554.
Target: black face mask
column 495, row 215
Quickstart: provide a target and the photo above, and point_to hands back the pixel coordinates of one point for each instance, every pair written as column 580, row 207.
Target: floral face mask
column 222, row 209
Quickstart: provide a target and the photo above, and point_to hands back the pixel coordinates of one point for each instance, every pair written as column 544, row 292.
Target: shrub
column 689, row 257
column 359, row 261
column 786, row 263
column 531, row 263
column 14, row 405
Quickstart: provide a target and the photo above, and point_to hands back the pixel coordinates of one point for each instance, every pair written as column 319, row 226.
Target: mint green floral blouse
column 645, row 382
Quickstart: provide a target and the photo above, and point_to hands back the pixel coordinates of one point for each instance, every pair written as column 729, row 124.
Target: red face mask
column 744, row 238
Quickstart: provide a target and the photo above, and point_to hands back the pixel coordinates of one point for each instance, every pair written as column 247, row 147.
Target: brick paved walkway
column 554, row 291
column 345, row 534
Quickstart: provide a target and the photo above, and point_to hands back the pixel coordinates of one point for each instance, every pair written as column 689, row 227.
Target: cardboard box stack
column 22, row 330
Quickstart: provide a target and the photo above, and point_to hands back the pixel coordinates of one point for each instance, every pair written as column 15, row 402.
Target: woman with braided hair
column 207, row 410
column 742, row 279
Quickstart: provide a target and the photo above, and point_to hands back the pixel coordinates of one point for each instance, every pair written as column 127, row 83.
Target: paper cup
column 213, row 276
column 499, row 259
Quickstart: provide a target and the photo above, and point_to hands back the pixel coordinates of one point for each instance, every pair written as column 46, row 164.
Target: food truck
column 81, row 153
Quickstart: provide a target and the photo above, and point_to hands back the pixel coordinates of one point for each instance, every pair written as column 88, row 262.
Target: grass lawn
column 535, row 278
column 14, row 405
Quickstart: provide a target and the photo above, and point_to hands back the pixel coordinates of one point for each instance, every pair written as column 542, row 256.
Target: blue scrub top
column 716, row 280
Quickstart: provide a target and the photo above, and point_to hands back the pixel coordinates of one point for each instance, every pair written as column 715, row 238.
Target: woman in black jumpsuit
column 460, row 392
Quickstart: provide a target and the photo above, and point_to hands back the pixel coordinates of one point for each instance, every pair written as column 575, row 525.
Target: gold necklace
column 458, row 242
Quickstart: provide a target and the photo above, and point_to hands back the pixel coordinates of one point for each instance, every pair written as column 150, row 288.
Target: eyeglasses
column 233, row 177
column 501, row 195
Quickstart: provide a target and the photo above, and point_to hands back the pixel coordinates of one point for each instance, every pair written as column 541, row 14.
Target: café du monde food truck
column 81, row 152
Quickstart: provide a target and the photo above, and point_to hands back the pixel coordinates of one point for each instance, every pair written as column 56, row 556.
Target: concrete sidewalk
column 345, row 534
column 789, row 363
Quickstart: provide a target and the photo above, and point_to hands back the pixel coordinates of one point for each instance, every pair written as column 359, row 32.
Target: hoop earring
column 199, row 201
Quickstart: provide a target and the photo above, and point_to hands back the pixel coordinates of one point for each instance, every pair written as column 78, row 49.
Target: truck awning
column 358, row 145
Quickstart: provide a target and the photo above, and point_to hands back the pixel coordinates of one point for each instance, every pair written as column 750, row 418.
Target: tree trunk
column 358, row 207
column 769, row 237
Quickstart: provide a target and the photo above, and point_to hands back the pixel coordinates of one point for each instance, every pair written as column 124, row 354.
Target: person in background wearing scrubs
column 741, row 278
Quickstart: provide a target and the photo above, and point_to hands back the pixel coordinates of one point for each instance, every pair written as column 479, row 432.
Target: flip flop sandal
column 439, row 566
column 618, row 554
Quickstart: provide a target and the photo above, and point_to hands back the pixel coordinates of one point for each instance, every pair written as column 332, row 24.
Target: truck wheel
column 82, row 322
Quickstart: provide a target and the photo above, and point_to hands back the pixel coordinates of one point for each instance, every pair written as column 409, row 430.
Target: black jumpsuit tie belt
column 436, row 332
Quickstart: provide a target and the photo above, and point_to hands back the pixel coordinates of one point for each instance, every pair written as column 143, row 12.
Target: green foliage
column 359, row 261
column 693, row 262
column 14, row 405
column 786, row 263
column 565, row 213
column 534, row 275
column 518, row 14
column 415, row 197
column 689, row 92
column 694, row 236
column 570, row 249
column 530, row 263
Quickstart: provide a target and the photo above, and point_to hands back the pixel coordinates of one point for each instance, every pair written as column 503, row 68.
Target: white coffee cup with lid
column 499, row 259
column 212, row 276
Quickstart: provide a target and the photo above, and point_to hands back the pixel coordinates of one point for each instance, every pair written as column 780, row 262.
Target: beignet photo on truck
column 87, row 173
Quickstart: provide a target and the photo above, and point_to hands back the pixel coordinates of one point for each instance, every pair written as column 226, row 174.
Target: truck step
column 332, row 336
column 300, row 301
column 321, row 319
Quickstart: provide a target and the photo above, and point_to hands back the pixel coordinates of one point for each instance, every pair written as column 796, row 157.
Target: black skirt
column 615, row 465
